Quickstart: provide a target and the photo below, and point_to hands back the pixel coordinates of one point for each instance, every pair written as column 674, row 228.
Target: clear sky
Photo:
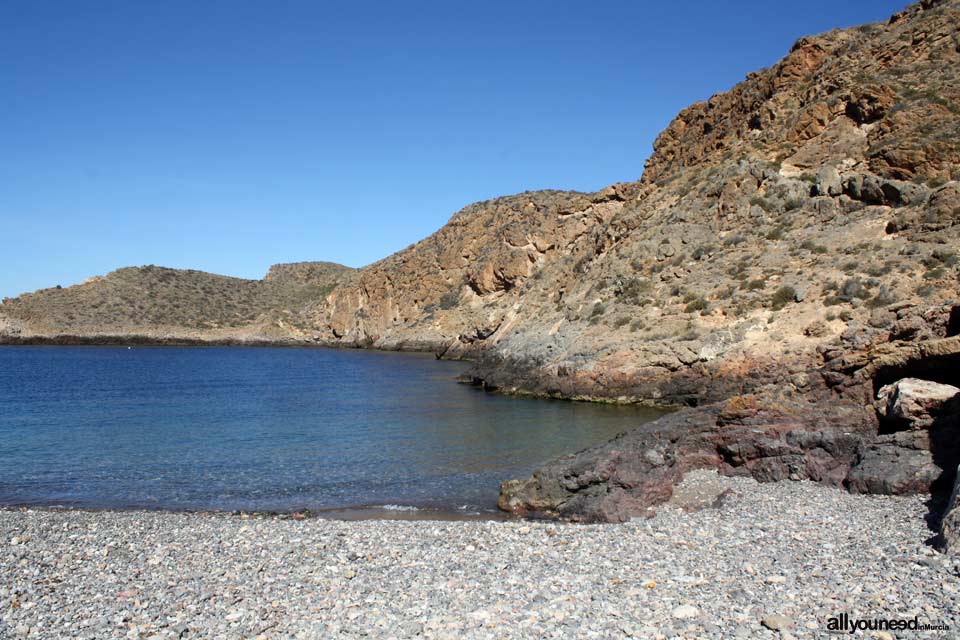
column 230, row 135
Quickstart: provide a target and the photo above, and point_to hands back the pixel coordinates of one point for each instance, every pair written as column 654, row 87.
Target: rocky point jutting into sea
column 786, row 268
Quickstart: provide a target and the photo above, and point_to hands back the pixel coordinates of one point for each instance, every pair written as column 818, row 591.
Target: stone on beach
column 222, row 576
column 777, row 622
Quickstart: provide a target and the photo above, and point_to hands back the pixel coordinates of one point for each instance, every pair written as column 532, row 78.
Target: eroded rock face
column 817, row 193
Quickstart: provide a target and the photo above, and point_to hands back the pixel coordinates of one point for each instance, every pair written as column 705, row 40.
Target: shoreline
column 768, row 561
column 151, row 341
column 343, row 514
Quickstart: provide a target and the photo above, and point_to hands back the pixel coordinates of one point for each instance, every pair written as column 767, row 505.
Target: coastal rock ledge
column 877, row 427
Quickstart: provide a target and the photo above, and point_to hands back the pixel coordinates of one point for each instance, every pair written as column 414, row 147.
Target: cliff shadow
column 943, row 434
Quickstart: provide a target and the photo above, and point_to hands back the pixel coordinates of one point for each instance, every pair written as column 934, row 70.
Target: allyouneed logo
column 845, row 624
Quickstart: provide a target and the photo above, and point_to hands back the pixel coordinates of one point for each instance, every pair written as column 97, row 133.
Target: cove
column 271, row 429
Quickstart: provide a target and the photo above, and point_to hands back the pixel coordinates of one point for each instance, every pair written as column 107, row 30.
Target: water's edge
column 349, row 514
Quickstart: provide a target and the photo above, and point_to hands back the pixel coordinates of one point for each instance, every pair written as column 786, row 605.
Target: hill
column 144, row 303
column 819, row 197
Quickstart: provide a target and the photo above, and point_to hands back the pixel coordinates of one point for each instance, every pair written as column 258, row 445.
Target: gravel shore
column 772, row 561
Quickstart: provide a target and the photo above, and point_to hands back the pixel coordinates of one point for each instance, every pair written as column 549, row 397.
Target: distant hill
column 157, row 301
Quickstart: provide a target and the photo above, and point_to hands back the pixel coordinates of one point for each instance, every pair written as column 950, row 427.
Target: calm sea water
column 269, row 429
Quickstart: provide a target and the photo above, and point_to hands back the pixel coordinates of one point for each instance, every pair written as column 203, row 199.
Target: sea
column 272, row 430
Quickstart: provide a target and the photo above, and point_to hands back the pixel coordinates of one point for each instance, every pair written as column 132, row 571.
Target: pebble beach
column 768, row 561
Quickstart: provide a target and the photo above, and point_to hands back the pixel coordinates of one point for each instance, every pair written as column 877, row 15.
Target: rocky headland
column 786, row 268
column 157, row 305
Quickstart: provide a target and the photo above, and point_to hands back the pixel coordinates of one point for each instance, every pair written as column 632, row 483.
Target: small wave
column 469, row 510
column 398, row 507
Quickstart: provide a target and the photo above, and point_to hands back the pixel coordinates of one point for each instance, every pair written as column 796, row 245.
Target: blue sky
column 227, row 136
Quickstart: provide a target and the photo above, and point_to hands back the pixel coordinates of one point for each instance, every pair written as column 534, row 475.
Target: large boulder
column 895, row 464
column 828, row 181
column 915, row 402
column 917, row 448
column 620, row 479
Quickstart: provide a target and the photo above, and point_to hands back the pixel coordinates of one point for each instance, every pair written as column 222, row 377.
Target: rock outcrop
column 770, row 437
column 845, row 425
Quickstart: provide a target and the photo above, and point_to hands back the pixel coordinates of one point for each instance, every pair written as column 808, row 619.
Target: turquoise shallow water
column 270, row 430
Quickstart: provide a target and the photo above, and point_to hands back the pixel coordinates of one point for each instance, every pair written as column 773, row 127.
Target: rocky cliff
column 824, row 302
column 804, row 203
column 792, row 243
